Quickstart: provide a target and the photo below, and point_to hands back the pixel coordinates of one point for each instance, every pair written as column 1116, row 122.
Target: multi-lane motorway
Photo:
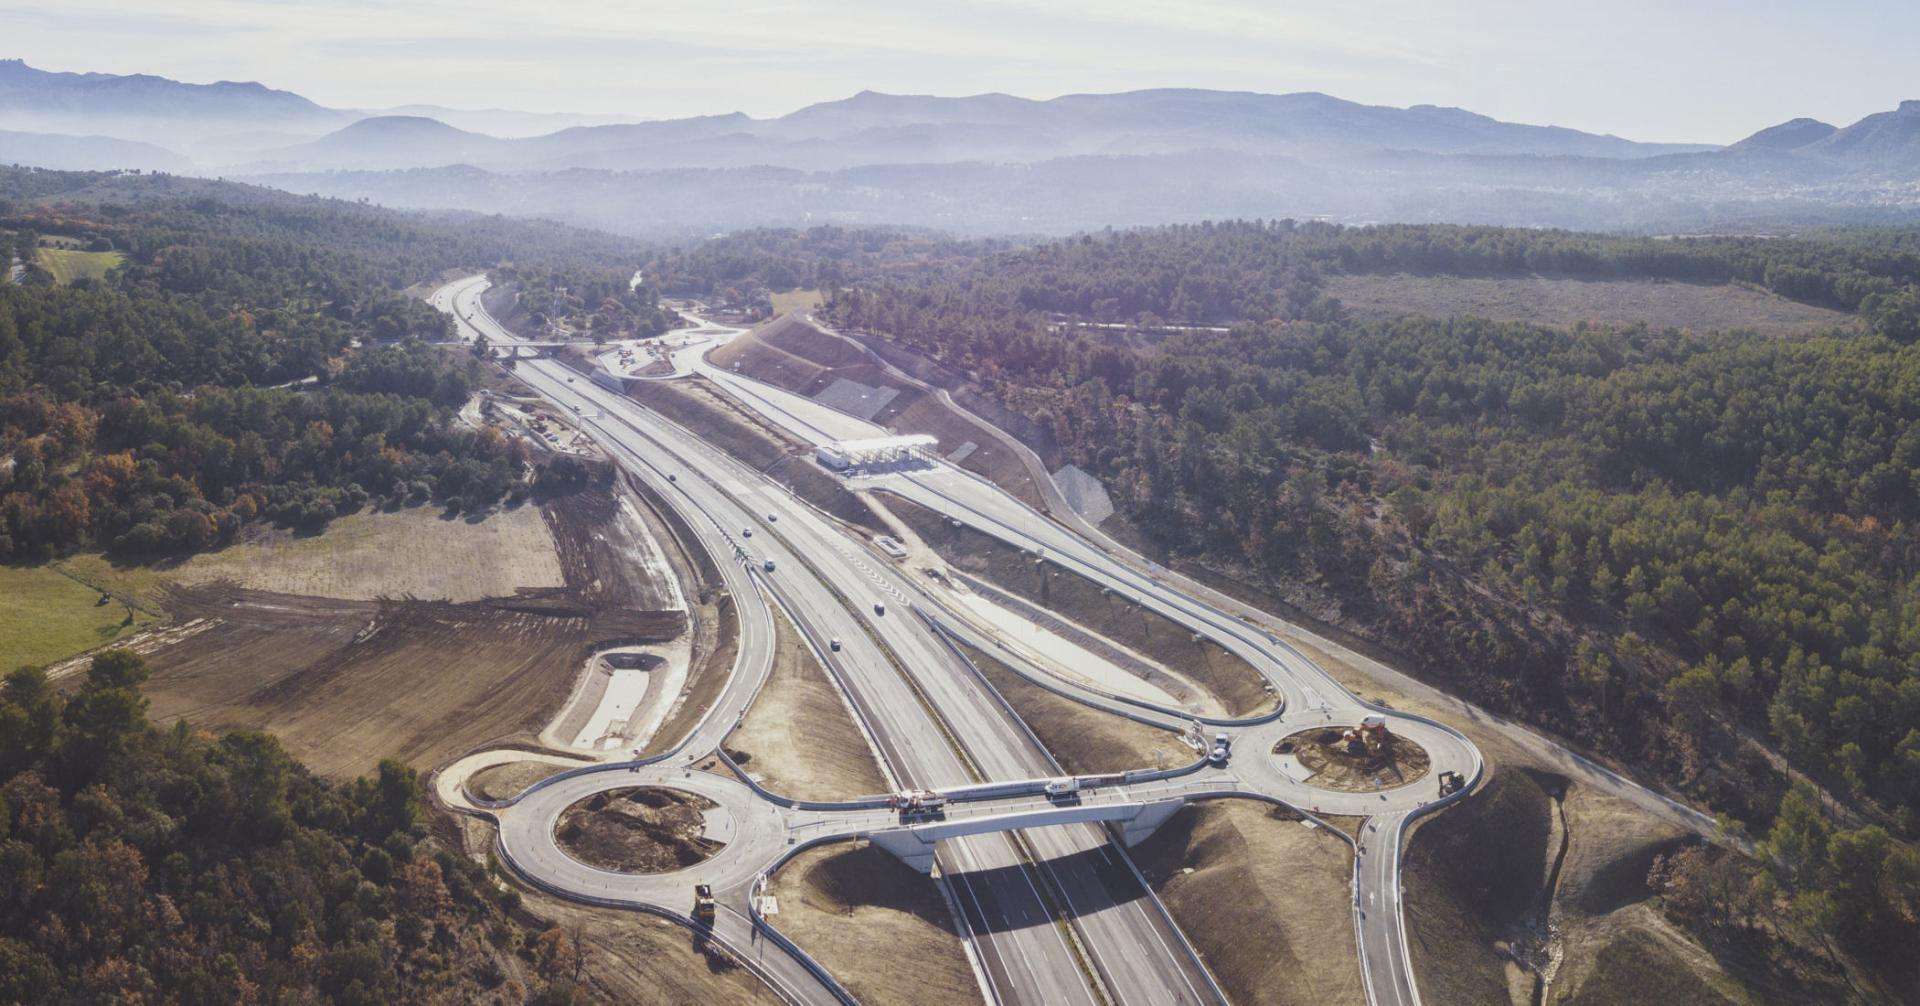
column 935, row 724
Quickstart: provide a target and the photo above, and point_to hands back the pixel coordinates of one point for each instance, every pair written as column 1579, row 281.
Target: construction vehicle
column 1369, row 738
column 1451, row 783
column 916, row 801
column 703, row 906
column 1063, row 786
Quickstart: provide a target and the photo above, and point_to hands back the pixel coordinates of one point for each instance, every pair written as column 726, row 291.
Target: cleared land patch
column 66, row 265
column 1546, row 300
column 344, row 683
column 798, row 739
column 1233, row 682
column 796, row 300
column 878, row 925
column 638, row 830
column 416, row 552
column 1264, row 899
column 46, row 615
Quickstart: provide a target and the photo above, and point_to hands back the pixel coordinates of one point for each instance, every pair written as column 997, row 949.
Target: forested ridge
column 148, row 865
column 1233, row 271
column 143, row 413
column 1662, row 544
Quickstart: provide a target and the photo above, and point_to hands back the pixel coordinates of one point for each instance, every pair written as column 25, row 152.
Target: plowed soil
column 344, row 683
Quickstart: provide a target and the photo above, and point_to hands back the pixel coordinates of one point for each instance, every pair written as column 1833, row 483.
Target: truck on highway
column 1063, row 786
column 917, row 801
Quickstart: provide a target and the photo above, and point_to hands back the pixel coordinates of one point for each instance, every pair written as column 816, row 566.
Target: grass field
column 796, row 300
column 46, row 616
column 406, row 553
column 68, row 265
column 1552, row 301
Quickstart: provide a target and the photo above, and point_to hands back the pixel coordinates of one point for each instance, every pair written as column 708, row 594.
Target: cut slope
column 1264, row 899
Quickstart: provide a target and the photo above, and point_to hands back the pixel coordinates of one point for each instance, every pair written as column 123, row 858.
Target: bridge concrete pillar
column 1135, row 830
column 911, row 849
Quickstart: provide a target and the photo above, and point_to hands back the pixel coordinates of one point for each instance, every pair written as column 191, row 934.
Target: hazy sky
column 1700, row 70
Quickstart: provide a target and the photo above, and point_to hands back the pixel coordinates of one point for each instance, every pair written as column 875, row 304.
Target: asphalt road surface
column 936, row 725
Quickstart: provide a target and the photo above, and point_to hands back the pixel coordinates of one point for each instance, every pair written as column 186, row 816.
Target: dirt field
column 1235, row 684
column 1084, row 740
column 1320, row 751
column 878, row 925
column 504, row 782
column 798, row 738
column 1552, row 301
column 416, row 552
column 791, row 354
column 1266, row 901
column 344, row 683
column 640, row 830
column 632, row 957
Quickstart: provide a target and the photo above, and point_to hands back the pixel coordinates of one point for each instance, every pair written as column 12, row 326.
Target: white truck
column 1222, row 747
column 1063, row 786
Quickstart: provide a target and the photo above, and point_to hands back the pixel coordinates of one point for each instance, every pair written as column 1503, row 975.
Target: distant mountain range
column 215, row 121
column 986, row 162
column 874, row 128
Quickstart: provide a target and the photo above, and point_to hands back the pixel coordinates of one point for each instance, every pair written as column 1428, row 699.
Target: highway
column 935, row 724
column 1134, row 954
column 1310, row 695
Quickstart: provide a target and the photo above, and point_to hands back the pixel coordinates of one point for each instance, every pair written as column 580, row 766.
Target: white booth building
column 842, row 455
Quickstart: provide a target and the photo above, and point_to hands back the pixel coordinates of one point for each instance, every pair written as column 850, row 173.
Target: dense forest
column 600, row 303
column 148, row 865
column 1234, row 271
column 1658, row 542
column 1665, row 545
column 254, row 356
column 741, row 269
